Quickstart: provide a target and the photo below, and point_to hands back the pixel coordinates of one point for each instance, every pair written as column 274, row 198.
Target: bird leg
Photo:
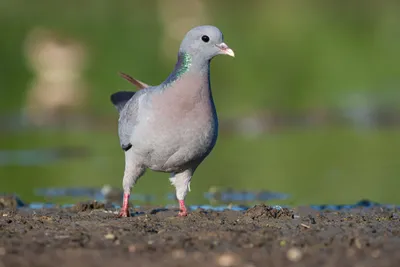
column 182, row 207
column 132, row 173
column 181, row 181
column 125, row 207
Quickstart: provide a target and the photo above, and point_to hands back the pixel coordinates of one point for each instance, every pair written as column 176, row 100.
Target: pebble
column 110, row 211
column 228, row 259
column 312, row 219
column 395, row 216
column 305, row 226
column 109, row 236
column 294, row 254
column 249, row 245
column 132, row 248
column 2, row 251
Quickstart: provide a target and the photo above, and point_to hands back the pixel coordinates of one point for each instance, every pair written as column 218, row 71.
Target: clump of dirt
column 9, row 202
column 262, row 211
column 88, row 206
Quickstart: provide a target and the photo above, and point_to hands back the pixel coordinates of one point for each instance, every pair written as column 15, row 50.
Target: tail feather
column 119, row 99
column 136, row 82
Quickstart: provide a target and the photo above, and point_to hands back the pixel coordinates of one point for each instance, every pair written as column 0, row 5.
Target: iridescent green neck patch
column 181, row 67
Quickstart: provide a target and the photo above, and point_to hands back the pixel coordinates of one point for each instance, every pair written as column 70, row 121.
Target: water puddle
column 13, row 201
column 114, row 195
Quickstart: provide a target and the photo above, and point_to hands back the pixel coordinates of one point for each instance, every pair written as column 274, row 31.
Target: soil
column 90, row 235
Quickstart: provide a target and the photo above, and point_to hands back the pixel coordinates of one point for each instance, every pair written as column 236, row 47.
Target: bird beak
column 225, row 50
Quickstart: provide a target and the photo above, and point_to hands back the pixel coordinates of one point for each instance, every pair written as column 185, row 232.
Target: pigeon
column 171, row 127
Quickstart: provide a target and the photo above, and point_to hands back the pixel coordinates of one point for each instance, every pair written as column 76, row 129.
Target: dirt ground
column 88, row 235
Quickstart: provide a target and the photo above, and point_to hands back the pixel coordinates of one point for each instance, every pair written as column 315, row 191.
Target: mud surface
column 86, row 235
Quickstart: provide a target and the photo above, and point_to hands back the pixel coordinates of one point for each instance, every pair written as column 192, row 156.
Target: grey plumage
column 172, row 127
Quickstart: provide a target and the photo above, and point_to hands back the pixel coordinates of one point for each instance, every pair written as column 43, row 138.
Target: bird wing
column 128, row 120
column 119, row 99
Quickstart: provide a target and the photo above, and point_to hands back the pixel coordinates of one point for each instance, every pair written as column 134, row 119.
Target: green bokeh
column 292, row 57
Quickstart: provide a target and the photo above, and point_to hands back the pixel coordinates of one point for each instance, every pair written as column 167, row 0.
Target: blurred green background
column 309, row 106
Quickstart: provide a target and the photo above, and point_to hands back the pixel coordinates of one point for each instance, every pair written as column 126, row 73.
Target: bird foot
column 182, row 214
column 124, row 213
column 183, row 210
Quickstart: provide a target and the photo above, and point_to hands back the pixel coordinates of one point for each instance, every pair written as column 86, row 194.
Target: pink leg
column 125, row 207
column 183, row 209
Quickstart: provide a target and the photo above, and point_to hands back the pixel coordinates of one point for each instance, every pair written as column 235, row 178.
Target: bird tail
column 136, row 82
column 119, row 99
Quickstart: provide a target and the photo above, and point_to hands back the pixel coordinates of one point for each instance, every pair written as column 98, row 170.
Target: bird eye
column 205, row 38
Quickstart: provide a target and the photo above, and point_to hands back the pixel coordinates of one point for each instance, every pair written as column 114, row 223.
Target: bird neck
column 186, row 63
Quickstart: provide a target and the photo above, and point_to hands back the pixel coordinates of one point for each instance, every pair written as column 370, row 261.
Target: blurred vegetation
column 291, row 56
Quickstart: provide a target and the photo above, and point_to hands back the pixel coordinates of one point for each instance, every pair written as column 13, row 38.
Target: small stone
column 249, row 245
column 228, row 259
column 282, row 243
column 312, row 219
column 5, row 214
column 45, row 218
column 2, row 251
column 10, row 202
column 305, row 226
column 88, row 206
column 294, row 254
column 178, row 254
column 132, row 248
column 109, row 236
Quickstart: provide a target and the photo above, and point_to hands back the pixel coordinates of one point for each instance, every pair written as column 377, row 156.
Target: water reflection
column 109, row 194
column 37, row 157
